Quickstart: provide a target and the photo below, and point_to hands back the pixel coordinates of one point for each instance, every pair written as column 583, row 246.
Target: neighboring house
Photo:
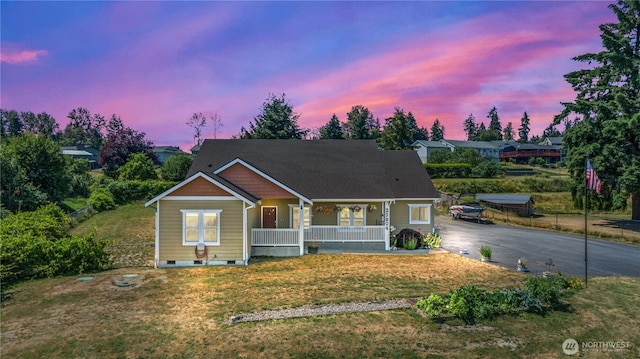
column 552, row 141
column 521, row 152
column 484, row 148
column 194, row 150
column 163, row 153
column 425, row 148
column 522, row 204
column 85, row 152
column 247, row 198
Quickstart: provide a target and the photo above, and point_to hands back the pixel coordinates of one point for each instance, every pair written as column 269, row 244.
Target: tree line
column 35, row 172
column 278, row 120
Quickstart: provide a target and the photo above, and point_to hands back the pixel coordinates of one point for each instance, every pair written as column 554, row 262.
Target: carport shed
column 522, row 204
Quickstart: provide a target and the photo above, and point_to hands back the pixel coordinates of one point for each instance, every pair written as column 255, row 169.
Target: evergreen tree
column 607, row 106
column 332, row 130
column 399, row 131
column 507, row 133
column 470, row 128
column 276, row 120
column 550, row 131
column 361, row 125
column 523, row 131
column 437, row 131
column 494, row 124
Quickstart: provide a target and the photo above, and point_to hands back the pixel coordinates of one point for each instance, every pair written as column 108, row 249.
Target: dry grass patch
column 183, row 313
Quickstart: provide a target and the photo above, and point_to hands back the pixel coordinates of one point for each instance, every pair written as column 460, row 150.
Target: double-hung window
column 295, row 216
column 420, row 213
column 201, row 226
column 353, row 216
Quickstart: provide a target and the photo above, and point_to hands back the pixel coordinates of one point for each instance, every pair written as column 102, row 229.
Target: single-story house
column 244, row 198
column 522, row 204
column 163, row 153
column 80, row 151
column 484, row 148
column 425, row 148
column 552, row 141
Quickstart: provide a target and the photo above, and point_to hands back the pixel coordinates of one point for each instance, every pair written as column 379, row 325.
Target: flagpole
column 586, row 210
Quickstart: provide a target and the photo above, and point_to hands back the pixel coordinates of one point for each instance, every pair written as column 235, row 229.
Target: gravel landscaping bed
column 308, row 311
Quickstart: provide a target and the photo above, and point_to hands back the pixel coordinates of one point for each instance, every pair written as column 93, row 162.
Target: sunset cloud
column 16, row 56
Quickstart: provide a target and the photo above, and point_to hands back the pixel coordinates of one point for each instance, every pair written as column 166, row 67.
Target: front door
column 269, row 217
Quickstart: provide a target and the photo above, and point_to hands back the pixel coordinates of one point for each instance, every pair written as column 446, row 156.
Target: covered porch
column 331, row 226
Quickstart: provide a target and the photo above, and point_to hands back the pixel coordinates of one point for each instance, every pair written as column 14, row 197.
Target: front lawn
column 184, row 312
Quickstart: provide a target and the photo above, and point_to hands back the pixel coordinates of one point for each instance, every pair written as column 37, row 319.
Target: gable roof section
column 471, row 144
column 213, row 179
column 322, row 169
column 430, row 144
column 255, row 181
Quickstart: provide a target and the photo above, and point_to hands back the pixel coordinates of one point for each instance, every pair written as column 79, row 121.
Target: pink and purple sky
column 156, row 63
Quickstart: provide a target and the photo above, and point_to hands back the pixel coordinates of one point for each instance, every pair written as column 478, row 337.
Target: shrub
column 470, row 304
column 128, row 191
column 522, row 299
column 547, row 291
column 434, row 305
column 101, row 199
column 37, row 244
column 448, row 170
column 410, row 244
column 176, row 168
column 138, row 167
column 432, row 240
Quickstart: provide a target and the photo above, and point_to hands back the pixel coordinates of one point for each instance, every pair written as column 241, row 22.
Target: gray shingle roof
column 473, row 144
column 503, row 198
column 325, row 169
column 433, row 144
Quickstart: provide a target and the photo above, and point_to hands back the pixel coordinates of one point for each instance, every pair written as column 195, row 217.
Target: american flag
column 593, row 181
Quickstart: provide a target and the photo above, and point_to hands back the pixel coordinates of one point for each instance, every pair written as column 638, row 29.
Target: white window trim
column 351, row 217
column 415, row 221
column 200, row 213
column 294, row 207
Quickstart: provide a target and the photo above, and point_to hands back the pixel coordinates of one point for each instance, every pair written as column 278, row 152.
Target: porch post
column 387, row 225
column 301, row 225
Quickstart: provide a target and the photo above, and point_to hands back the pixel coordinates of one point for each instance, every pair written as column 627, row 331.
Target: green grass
column 75, row 203
column 128, row 224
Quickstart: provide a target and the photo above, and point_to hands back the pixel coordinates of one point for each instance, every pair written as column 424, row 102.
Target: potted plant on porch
column 312, row 248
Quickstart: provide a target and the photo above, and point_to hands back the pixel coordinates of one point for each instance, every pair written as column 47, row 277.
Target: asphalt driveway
column 538, row 246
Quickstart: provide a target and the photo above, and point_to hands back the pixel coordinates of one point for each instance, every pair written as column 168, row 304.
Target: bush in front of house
column 471, row 304
column 37, row 244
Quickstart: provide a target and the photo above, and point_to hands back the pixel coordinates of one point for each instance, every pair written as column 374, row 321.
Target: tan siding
column 199, row 187
column 400, row 216
column 253, row 183
column 322, row 218
column 282, row 211
column 171, row 247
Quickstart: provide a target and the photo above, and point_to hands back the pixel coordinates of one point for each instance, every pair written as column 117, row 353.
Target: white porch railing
column 287, row 237
column 274, row 237
column 345, row 234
